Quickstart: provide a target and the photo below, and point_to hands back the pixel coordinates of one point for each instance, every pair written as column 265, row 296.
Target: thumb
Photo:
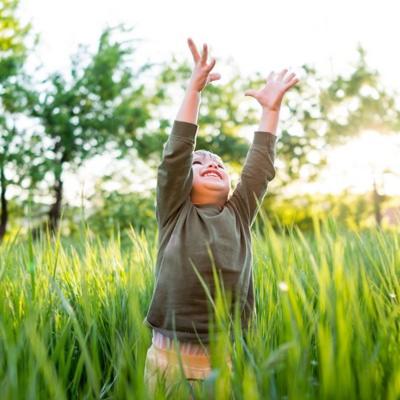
column 214, row 77
column 250, row 92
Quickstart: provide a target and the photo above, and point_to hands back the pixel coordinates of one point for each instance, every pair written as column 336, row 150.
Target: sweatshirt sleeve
column 174, row 174
column 257, row 172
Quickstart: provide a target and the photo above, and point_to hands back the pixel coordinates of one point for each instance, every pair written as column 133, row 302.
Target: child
column 194, row 215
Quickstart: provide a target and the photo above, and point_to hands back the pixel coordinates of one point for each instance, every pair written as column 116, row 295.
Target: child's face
column 211, row 183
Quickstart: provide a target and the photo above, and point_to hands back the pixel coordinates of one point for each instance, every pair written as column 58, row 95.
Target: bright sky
column 256, row 36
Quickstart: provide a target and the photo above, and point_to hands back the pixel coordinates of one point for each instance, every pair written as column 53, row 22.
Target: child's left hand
column 271, row 95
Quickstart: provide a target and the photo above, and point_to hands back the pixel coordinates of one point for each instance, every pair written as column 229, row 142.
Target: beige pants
column 165, row 362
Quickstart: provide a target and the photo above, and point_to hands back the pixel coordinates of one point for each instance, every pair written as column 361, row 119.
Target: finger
column 289, row 77
column 250, row 92
column 291, row 83
column 204, row 54
column 211, row 65
column 214, row 77
column 281, row 74
column 193, row 49
column 270, row 76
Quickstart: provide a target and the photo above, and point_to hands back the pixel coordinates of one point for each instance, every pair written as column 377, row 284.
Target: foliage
column 120, row 212
column 100, row 108
column 103, row 103
column 354, row 211
column 12, row 40
column 357, row 102
column 16, row 147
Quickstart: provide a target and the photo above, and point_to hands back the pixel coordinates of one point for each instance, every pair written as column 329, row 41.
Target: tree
column 13, row 147
column 101, row 108
column 357, row 103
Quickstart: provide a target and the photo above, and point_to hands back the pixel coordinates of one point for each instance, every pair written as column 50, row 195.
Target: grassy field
column 327, row 323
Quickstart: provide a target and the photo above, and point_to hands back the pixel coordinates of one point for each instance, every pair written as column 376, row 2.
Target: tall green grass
column 327, row 324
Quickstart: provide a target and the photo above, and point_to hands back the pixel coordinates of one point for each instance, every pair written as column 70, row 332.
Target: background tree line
column 111, row 102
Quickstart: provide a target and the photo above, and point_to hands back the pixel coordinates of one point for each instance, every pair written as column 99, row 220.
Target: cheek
column 196, row 176
column 226, row 178
column 195, row 171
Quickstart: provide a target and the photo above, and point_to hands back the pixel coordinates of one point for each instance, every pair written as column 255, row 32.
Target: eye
column 221, row 166
column 194, row 162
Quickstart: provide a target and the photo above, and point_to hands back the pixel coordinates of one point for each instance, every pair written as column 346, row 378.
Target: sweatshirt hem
column 264, row 138
column 184, row 129
column 181, row 336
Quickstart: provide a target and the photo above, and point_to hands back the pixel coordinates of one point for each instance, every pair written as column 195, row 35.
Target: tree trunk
column 55, row 210
column 377, row 205
column 3, row 201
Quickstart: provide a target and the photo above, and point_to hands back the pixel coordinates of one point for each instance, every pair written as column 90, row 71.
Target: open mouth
column 212, row 175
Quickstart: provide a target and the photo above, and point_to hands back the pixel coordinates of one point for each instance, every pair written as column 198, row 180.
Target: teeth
column 212, row 174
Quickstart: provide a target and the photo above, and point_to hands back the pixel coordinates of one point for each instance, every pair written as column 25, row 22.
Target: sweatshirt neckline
column 211, row 206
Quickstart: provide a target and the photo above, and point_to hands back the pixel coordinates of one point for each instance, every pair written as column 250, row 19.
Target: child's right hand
column 201, row 74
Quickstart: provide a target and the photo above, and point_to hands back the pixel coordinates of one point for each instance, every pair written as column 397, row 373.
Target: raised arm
column 201, row 76
column 174, row 175
column 259, row 168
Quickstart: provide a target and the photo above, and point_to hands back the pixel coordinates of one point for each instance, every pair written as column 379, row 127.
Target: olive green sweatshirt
column 196, row 236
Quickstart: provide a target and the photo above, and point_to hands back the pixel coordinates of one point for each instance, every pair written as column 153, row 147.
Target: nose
column 212, row 162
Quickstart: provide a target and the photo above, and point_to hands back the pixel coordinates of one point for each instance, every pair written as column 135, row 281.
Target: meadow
column 327, row 324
